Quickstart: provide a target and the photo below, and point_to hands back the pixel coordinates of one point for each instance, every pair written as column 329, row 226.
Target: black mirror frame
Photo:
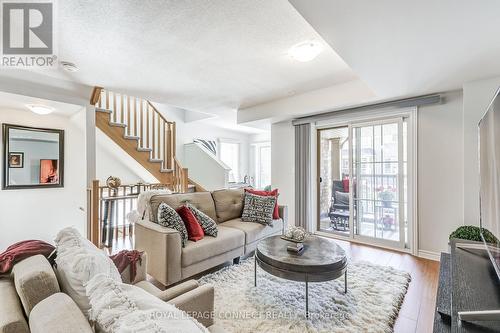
column 5, row 145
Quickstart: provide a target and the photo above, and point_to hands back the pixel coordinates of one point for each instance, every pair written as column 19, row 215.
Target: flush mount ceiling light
column 40, row 109
column 305, row 51
column 69, row 66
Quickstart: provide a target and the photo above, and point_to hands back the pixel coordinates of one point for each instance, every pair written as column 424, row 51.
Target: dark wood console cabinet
column 467, row 282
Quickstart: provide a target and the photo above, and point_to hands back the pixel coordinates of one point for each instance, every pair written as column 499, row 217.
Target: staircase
column 140, row 130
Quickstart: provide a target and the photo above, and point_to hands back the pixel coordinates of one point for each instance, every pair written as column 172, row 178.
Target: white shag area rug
column 374, row 296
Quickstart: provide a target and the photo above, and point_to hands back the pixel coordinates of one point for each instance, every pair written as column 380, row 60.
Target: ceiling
column 18, row 102
column 206, row 56
column 409, row 47
column 221, row 59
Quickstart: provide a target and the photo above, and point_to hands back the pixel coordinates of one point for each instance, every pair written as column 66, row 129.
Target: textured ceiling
column 209, row 56
column 405, row 47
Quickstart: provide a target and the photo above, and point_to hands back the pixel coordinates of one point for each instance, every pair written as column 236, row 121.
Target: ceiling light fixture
column 69, row 66
column 40, row 109
column 305, row 51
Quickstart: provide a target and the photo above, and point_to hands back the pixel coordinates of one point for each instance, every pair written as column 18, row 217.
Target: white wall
column 187, row 131
column 283, row 165
column 41, row 213
column 205, row 168
column 477, row 97
column 440, row 172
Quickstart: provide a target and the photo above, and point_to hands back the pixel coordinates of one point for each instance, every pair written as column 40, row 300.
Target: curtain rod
column 401, row 103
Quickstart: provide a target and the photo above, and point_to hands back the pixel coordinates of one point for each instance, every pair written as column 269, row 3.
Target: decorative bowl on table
column 295, row 235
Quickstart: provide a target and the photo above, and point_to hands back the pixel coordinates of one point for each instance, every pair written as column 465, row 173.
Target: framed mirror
column 32, row 157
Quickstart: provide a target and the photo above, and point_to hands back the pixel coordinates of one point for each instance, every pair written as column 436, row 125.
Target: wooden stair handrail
column 95, row 96
column 158, row 112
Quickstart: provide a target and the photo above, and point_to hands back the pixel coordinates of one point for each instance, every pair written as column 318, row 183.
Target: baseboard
column 429, row 255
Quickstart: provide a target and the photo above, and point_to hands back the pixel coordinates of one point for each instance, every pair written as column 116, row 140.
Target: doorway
column 365, row 182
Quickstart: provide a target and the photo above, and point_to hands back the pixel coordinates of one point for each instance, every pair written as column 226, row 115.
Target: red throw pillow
column 345, row 184
column 195, row 232
column 274, row 193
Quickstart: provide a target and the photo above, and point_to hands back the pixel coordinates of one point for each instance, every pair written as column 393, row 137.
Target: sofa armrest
column 170, row 293
column 11, row 312
column 283, row 212
column 34, row 280
column 163, row 247
column 198, row 303
column 58, row 313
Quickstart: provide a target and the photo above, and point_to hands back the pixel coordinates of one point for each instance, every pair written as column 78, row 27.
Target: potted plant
column 473, row 233
column 386, row 195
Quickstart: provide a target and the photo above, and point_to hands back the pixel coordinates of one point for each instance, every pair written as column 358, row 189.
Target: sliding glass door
column 379, row 172
column 363, row 181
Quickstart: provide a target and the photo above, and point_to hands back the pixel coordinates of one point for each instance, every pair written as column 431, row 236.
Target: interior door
column 378, row 170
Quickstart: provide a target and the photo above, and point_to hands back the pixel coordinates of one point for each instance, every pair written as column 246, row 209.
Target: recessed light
column 40, row 109
column 69, row 66
column 305, row 51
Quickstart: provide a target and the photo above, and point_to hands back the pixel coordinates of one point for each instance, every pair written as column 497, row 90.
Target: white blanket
column 143, row 207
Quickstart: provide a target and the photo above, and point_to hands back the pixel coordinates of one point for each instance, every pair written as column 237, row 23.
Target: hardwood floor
column 417, row 312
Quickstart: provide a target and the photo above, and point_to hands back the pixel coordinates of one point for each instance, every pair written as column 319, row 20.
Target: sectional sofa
column 33, row 301
column 171, row 263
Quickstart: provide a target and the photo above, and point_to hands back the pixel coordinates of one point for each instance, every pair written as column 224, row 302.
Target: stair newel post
column 94, row 213
column 107, row 100
column 185, row 180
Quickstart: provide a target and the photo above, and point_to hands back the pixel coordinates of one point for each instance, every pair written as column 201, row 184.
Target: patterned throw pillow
column 258, row 209
column 207, row 223
column 168, row 217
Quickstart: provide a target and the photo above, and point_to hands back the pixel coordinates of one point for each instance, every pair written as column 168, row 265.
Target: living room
column 244, row 166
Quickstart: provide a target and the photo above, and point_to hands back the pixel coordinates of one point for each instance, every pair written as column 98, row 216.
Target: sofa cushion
column 254, row 231
column 193, row 227
column 11, row 313
column 169, row 218
column 227, row 240
column 258, row 209
column 228, row 203
column 58, row 314
column 119, row 307
column 35, row 280
column 274, row 193
column 78, row 261
column 206, row 222
column 201, row 200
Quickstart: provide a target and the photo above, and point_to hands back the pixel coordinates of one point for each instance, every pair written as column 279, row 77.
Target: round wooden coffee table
column 322, row 260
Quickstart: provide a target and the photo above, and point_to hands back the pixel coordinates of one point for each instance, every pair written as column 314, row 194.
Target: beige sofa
column 32, row 301
column 170, row 262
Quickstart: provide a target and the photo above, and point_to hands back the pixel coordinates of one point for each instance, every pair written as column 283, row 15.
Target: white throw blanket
column 143, row 206
column 122, row 308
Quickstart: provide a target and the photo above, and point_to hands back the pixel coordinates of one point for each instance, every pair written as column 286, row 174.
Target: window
column 263, row 165
column 229, row 153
